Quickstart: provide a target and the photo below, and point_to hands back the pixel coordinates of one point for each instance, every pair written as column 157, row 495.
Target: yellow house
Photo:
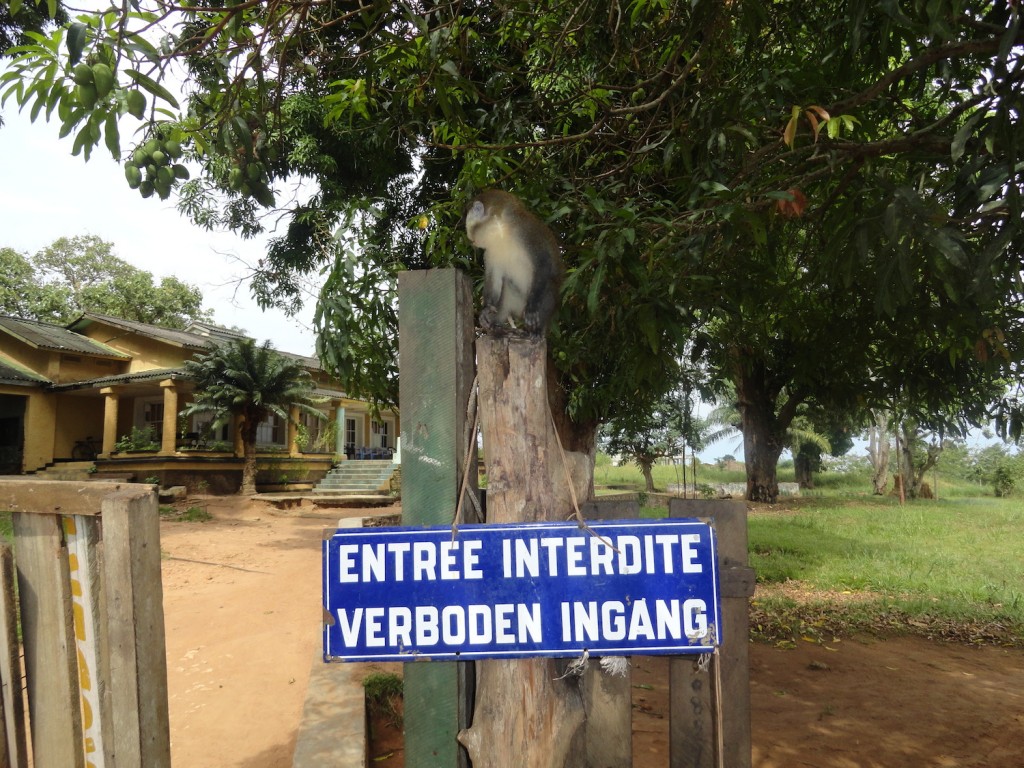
column 109, row 391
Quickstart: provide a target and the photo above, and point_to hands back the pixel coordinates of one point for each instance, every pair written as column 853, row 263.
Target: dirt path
column 243, row 617
column 242, row 611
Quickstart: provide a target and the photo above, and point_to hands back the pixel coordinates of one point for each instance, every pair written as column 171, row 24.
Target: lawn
column 950, row 568
column 839, row 560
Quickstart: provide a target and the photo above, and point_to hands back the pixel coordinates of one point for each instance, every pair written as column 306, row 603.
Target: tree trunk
column 763, row 435
column 915, row 468
column 645, row 467
column 804, row 470
column 525, row 716
column 248, row 487
column 878, row 451
column 765, row 415
column 247, row 430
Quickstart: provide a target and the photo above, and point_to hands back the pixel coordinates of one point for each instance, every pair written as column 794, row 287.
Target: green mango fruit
column 180, row 171
column 173, row 149
column 82, row 74
column 133, row 175
column 136, row 103
column 103, row 78
column 159, row 158
column 87, row 95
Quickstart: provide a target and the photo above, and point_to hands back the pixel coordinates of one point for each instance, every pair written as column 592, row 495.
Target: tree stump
column 525, row 716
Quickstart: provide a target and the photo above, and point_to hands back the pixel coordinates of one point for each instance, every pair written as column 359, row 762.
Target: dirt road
column 242, row 612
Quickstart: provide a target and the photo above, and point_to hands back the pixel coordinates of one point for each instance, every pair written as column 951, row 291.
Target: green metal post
column 436, row 364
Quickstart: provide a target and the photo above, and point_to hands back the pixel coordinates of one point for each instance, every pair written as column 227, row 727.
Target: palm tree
column 248, row 382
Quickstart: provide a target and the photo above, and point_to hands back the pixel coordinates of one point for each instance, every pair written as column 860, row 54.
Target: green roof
column 12, row 373
column 57, row 339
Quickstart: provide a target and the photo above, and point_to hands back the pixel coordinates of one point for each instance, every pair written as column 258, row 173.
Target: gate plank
column 14, row 751
column 697, row 738
column 135, row 628
column 608, row 697
column 50, row 664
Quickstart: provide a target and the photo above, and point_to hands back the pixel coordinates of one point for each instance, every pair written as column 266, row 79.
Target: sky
column 46, row 193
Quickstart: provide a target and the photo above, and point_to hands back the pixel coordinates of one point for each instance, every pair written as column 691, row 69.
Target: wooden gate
column 86, row 558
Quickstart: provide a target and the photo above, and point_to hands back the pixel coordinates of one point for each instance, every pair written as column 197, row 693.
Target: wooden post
column 15, row 746
column 84, row 540
column 51, row 668
column 436, row 346
column 135, row 627
column 710, row 705
column 609, row 697
column 525, row 717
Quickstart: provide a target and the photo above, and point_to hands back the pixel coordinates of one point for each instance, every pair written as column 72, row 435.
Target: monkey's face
column 476, row 215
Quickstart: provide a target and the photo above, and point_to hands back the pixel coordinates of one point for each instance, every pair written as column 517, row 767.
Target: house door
column 12, row 433
column 350, row 437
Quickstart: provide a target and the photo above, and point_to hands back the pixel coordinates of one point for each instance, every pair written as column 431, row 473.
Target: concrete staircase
column 66, row 470
column 358, row 478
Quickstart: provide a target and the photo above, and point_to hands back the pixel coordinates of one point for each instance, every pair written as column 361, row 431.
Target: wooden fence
column 86, row 557
column 709, row 697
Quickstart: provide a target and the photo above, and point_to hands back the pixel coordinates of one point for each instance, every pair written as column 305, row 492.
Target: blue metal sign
column 531, row 589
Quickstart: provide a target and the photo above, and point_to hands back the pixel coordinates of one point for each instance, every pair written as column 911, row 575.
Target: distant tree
column 723, row 461
column 878, row 450
column 79, row 274
column 16, row 277
column 817, row 432
column 648, row 434
column 918, row 452
column 248, row 383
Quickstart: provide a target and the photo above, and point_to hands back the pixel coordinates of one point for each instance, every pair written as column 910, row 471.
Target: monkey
column 522, row 263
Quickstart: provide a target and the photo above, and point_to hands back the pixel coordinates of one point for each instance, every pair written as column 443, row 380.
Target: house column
column 168, row 442
column 293, row 430
column 339, row 431
column 110, row 402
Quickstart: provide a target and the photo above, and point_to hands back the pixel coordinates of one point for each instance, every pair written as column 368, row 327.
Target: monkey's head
column 486, row 213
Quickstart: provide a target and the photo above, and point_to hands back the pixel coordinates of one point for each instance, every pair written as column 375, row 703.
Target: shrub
column 139, row 439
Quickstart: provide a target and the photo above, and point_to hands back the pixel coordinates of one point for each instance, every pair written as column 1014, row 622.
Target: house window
column 201, row 428
column 314, row 432
column 270, row 431
column 379, row 433
column 350, row 432
column 153, row 416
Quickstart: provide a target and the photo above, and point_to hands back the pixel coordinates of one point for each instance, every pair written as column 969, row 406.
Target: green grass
column 839, row 560
column 950, row 568
column 384, row 696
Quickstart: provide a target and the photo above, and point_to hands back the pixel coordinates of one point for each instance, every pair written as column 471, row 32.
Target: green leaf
column 241, row 130
column 111, row 136
column 81, row 141
column 76, row 41
column 15, row 7
column 152, row 86
column 956, row 149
